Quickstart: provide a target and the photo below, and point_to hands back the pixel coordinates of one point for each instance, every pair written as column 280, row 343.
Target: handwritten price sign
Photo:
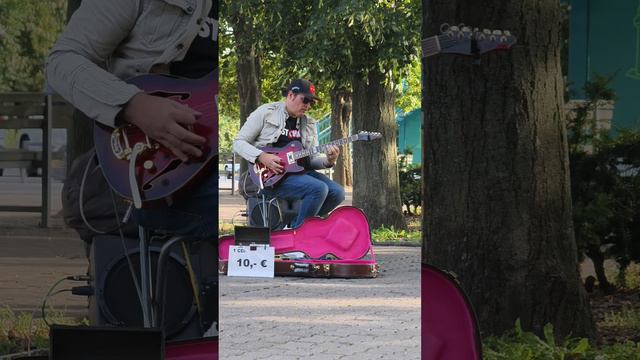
column 252, row 261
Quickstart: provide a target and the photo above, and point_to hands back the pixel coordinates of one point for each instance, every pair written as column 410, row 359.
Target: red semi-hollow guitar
column 158, row 172
column 290, row 154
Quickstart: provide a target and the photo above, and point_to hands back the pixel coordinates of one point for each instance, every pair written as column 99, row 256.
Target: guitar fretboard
column 323, row 148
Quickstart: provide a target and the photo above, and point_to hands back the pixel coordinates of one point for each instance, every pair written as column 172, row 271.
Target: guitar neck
column 323, row 148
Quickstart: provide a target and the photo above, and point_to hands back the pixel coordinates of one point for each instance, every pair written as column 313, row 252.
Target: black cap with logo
column 302, row 86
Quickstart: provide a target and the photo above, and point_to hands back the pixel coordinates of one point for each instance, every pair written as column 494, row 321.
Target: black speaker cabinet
column 255, row 209
column 104, row 343
column 115, row 301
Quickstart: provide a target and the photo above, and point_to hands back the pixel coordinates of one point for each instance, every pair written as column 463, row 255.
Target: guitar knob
column 148, row 165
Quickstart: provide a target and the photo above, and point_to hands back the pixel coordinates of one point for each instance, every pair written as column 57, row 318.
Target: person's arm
column 73, row 67
column 74, row 70
column 243, row 142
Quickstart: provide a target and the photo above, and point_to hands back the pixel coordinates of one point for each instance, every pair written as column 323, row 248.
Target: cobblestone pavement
column 291, row 318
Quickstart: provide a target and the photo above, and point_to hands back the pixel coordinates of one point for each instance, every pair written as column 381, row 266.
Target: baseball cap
column 302, row 86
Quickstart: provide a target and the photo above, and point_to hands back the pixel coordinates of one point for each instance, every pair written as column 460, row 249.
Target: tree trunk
column 340, row 116
column 376, row 188
column 248, row 72
column 497, row 196
column 80, row 136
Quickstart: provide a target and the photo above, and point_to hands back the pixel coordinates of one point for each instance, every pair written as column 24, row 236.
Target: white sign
column 253, row 260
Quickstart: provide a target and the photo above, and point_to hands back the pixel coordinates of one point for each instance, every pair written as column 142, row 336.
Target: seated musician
column 275, row 125
column 107, row 42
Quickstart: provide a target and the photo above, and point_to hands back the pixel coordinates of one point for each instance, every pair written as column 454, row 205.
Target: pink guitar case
column 336, row 246
column 449, row 325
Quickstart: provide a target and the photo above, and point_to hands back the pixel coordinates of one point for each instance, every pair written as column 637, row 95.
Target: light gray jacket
column 107, row 41
column 264, row 126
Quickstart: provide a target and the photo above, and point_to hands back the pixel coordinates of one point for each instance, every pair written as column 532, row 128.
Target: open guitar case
column 449, row 324
column 336, row 246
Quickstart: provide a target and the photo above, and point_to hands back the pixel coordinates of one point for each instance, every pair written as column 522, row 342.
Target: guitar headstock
column 467, row 41
column 368, row 136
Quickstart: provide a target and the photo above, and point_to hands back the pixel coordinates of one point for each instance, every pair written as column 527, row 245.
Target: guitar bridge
column 122, row 147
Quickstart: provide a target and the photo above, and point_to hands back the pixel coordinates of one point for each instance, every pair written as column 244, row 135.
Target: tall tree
column 497, row 197
column 244, row 20
column 364, row 46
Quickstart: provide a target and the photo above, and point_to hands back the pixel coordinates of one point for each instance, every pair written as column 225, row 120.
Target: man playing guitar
column 279, row 123
column 107, row 42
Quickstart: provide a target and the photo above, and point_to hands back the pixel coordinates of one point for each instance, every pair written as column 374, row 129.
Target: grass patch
column 225, row 228
column 391, row 235
column 626, row 318
column 523, row 345
column 23, row 332
column 631, row 277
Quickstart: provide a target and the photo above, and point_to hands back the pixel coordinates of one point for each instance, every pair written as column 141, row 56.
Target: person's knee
column 337, row 194
column 320, row 190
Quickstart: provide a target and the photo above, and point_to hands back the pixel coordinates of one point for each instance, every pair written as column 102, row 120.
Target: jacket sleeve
column 75, row 65
column 243, row 143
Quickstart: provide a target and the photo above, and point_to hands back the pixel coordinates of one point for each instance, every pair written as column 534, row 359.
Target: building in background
column 605, row 39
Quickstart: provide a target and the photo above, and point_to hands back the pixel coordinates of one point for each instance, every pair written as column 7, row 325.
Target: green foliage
column 410, row 186
column 409, row 96
column 31, row 28
column 23, row 332
column 605, row 182
column 521, row 345
column 390, row 234
column 628, row 317
column 227, row 129
column 332, row 41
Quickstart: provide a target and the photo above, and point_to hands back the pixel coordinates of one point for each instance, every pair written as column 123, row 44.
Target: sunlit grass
column 24, row 332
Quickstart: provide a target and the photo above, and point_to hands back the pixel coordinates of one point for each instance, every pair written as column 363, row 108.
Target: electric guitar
column 140, row 168
column 290, row 154
column 466, row 41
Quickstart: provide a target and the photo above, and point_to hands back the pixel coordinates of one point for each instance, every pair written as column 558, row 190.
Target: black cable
column 46, row 298
column 81, row 202
column 126, row 253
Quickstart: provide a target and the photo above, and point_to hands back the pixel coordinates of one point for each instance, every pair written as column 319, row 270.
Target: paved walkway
column 299, row 318
column 259, row 318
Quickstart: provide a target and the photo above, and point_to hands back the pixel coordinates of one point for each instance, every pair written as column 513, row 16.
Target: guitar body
column 344, row 234
column 290, row 154
column 158, row 172
column 270, row 178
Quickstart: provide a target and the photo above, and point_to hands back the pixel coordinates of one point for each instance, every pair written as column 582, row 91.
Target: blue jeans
column 319, row 194
column 194, row 214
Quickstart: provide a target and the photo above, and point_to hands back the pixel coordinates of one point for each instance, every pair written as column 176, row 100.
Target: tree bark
column 340, row 116
column 248, row 71
column 376, row 189
column 497, row 196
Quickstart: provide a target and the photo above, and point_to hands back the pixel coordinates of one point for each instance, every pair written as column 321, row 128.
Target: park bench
column 33, row 111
